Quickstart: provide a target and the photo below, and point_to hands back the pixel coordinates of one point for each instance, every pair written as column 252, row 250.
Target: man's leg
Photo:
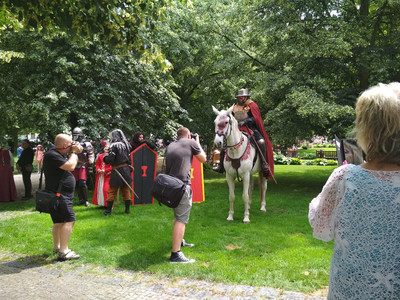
column 56, row 236
column 83, row 193
column 127, row 198
column 26, row 178
column 177, row 235
column 181, row 213
column 111, row 194
column 65, row 234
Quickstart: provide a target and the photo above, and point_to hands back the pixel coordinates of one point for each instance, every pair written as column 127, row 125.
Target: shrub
column 293, row 161
column 332, row 162
column 279, row 159
column 307, row 155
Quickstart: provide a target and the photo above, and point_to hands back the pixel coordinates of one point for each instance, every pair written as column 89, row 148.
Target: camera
column 194, row 135
column 87, row 146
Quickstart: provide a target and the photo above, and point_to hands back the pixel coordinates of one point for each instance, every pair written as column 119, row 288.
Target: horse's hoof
column 229, row 219
column 263, row 209
column 246, row 221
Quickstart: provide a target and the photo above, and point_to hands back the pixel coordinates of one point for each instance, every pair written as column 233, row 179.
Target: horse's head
column 224, row 122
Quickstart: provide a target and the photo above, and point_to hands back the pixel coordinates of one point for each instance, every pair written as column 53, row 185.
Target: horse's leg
column 245, row 196
column 231, row 185
column 263, row 183
column 251, row 187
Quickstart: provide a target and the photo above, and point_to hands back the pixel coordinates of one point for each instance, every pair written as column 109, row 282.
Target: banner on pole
column 144, row 163
column 197, row 181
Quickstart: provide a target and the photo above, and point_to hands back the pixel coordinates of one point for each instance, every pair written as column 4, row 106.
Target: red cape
column 255, row 111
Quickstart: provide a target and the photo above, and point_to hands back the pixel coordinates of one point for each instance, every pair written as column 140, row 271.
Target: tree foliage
column 122, row 25
column 305, row 62
column 58, row 85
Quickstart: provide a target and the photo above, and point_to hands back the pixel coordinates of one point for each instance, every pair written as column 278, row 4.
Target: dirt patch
column 231, row 247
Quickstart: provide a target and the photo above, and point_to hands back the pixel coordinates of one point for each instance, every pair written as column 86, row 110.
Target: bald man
column 57, row 167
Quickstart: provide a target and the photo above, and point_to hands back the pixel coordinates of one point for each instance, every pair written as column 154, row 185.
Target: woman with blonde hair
column 359, row 206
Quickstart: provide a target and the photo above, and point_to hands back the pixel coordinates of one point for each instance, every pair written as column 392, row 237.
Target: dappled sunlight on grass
column 276, row 249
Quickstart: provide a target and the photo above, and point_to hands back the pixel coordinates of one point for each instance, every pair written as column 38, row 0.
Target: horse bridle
column 221, row 129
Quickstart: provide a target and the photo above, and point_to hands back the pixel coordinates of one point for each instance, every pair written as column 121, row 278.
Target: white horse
column 242, row 155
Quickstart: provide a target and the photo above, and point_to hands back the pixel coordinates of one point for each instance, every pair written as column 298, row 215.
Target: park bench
column 326, row 154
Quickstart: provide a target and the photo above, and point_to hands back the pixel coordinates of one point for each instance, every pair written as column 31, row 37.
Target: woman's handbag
column 168, row 190
column 47, row 201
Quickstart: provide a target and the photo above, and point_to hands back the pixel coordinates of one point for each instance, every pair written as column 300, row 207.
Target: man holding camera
column 85, row 159
column 179, row 156
column 57, row 168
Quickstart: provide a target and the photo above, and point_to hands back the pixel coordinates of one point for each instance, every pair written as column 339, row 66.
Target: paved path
column 24, row 277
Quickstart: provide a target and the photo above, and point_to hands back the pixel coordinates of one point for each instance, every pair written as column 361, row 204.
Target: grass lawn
column 276, row 249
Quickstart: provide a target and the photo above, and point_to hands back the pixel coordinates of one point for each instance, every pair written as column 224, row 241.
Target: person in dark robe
column 119, row 158
column 138, row 140
column 24, row 163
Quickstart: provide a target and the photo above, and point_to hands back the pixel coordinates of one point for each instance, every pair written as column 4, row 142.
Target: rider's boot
column 263, row 149
column 221, row 168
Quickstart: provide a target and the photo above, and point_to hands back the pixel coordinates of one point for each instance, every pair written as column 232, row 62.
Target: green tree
column 58, row 85
column 123, row 25
column 305, row 62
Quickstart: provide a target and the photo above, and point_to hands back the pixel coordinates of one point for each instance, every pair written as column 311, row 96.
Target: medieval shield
column 197, row 181
column 144, row 162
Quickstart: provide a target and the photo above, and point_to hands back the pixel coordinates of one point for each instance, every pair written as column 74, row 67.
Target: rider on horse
column 248, row 115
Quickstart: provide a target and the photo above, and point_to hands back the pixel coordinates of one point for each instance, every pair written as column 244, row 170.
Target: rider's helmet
column 243, row 93
column 242, row 96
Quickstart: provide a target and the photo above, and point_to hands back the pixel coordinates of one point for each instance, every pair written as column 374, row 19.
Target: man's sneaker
column 179, row 257
column 184, row 244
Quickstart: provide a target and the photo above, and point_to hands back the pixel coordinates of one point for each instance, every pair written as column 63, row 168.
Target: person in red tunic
column 248, row 114
column 103, row 173
column 8, row 192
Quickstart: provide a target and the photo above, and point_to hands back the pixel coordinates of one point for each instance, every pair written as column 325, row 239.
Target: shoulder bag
column 47, row 201
column 167, row 189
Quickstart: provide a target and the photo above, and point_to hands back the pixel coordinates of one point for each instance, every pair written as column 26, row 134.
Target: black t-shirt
column 52, row 161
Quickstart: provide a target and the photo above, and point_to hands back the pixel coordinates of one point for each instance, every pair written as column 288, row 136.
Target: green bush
column 332, row 162
column 307, row 155
column 279, row 159
column 293, row 161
